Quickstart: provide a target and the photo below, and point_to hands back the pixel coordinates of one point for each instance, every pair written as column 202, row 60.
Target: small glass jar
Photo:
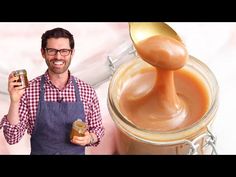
column 195, row 139
column 78, row 128
column 22, row 77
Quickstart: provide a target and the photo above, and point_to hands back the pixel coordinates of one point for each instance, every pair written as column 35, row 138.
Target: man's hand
column 82, row 140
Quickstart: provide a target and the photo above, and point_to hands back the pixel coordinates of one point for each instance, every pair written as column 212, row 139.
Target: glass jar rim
column 79, row 124
column 20, row 71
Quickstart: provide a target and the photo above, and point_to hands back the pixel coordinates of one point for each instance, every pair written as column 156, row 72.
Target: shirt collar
column 48, row 81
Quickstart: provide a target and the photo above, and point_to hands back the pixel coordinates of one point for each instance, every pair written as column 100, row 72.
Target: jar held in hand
column 22, row 77
column 78, row 128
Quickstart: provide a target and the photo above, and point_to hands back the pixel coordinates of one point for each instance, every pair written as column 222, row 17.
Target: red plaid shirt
column 30, row 100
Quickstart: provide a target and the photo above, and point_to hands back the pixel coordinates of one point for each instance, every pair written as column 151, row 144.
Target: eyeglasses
column 53, row 52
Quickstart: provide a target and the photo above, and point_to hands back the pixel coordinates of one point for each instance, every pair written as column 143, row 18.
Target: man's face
column 58, row 61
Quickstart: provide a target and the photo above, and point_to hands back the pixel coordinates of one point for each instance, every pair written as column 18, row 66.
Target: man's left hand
column 82, row 140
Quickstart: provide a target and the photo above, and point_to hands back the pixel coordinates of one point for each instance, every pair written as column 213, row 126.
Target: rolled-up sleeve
column 13, row 133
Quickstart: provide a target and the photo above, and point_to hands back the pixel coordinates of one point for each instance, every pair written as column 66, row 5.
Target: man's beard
column 56, row 70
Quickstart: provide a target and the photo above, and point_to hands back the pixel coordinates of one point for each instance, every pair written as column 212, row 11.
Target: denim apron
column 51, row 134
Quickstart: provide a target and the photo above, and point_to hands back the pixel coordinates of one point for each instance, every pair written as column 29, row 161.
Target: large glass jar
column 195, row 139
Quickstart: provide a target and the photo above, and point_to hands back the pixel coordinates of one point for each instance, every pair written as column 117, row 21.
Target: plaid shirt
column 30, row 100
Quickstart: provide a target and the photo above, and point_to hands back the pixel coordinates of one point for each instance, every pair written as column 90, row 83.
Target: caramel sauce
column 166, row 97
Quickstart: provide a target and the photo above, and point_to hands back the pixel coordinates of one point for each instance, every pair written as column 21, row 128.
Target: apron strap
column 76, row 89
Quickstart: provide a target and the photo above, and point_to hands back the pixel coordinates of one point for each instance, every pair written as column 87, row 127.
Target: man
column 52, row 102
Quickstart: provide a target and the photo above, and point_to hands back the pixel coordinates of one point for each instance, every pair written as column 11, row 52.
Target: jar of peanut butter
column 195, row 83
column 22, row 77
column 78, row 128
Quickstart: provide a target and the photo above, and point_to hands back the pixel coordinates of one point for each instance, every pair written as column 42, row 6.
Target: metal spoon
column 142, row 30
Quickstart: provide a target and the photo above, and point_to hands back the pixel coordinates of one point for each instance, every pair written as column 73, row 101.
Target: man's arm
column 13, row 128
column 96, row 128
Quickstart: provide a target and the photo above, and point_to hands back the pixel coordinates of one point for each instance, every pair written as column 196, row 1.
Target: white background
column 212, row 43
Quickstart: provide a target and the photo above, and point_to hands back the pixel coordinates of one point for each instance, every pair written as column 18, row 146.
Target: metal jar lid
column 19, row 72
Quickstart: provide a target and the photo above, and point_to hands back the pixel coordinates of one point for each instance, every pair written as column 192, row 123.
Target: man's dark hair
column 57, row 33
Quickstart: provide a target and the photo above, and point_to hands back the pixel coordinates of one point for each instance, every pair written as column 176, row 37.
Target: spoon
column 142, row 30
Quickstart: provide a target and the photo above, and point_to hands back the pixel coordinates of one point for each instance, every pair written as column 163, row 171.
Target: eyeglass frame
column 46, row 49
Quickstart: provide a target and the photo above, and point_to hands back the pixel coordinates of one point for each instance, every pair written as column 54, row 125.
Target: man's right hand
column 15, row 89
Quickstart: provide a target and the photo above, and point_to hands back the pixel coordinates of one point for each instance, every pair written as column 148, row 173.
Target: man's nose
column 58, row 54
